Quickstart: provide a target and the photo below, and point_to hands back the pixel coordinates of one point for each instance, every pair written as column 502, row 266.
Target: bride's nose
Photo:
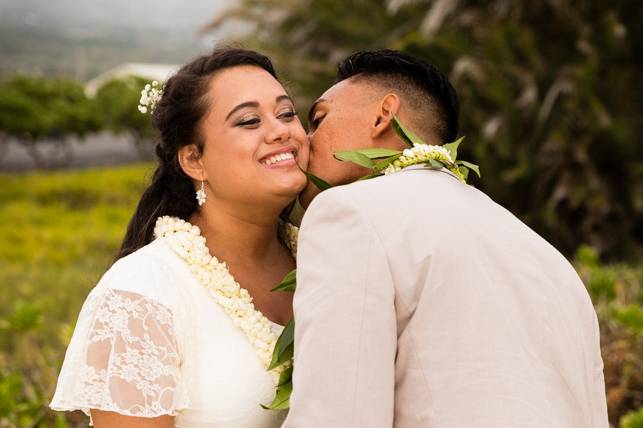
column 277, row 132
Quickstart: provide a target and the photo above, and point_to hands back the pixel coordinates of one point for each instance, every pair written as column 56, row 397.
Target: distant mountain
column 82, row 38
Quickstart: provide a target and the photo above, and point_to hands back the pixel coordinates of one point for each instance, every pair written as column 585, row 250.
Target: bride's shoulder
column 149, row 271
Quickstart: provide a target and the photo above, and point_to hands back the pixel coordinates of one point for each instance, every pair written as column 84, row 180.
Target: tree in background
column 550, row 95
column 42, row 112
column 117, row 101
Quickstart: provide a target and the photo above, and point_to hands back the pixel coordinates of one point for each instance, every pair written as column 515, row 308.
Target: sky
column 83, row 38
column 88, row 15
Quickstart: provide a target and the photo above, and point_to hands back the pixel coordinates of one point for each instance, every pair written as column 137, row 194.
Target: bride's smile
column 281, row 159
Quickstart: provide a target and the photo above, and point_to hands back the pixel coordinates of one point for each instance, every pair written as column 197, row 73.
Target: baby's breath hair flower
column 150, row 96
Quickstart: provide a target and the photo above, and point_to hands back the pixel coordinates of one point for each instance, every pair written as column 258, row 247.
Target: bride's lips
column 282, row 158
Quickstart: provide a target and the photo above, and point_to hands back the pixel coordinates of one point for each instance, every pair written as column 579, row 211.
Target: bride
column 180, row 330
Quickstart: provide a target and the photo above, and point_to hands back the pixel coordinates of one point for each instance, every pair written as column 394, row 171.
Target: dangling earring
column 200, row 194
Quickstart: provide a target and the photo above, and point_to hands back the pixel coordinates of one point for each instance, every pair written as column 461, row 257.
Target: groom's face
column 339, row 120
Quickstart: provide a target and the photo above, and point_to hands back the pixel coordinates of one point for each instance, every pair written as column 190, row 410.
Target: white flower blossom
column 150, row 96
column 418, row 154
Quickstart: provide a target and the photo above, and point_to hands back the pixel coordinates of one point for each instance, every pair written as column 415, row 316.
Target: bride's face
column 254, row 142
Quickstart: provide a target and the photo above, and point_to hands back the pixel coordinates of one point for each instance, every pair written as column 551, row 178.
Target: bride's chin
column 292, row 186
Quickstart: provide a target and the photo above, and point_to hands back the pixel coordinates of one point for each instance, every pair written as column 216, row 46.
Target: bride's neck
column 238, row 233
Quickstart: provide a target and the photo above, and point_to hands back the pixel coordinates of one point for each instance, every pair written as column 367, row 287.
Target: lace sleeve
column 123, row 358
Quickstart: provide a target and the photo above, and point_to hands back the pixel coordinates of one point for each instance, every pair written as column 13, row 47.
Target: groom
column 420, row 302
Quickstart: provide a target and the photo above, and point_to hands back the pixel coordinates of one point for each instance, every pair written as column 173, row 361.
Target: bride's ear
column 191, row 162
column 387, row 108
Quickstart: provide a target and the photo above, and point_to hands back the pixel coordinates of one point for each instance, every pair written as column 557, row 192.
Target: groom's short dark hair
column 428, row 91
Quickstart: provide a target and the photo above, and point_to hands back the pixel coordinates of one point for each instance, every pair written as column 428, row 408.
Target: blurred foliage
column 550, row 95
column 43, row 113
column 35, row 108
column 117, row 101
column 617, row 294
column 60, row 231
column 633, row 420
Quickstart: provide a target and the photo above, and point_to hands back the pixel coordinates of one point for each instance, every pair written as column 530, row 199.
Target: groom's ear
column 387, row 108
column 191, row 162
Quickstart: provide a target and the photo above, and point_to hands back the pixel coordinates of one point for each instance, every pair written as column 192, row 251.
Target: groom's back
column 494, row 326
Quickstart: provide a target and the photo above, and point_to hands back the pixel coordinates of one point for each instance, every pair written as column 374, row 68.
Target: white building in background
column 160, row 72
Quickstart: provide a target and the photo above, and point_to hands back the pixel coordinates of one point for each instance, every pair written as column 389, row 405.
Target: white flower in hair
column 150, row 96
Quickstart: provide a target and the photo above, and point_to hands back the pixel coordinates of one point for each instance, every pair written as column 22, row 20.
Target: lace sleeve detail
column 123, row 358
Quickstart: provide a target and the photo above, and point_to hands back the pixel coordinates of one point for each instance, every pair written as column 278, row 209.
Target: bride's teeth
column 278, row 158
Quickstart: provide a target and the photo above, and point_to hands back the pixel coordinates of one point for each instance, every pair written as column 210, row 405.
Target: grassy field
column 59, row 232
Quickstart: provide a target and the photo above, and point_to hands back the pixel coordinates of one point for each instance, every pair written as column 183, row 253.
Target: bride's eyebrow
column 255, row 104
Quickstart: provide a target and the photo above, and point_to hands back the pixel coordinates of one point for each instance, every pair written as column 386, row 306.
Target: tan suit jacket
column 422, row 303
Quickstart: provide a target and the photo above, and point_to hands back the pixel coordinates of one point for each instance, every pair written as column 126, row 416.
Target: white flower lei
column 185, row 240
column 419, row 153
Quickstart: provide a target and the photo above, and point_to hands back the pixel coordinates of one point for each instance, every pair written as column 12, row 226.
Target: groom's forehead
column 342, row 94
column 341, row 91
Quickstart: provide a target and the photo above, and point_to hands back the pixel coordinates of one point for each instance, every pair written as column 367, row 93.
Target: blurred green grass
column 59, row 231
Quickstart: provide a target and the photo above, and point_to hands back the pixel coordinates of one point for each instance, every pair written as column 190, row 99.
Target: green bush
column 35, row 108
column 617, row 293
column 632, row 420
column 118, row 101
column 60, row 232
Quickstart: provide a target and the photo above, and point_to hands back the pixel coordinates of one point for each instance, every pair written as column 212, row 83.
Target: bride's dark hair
column 177, row 117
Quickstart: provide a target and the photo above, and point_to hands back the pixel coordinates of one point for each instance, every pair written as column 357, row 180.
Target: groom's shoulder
column 401, row 193
column 408, row 183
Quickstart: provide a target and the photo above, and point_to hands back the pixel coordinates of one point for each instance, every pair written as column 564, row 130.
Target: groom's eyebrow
column 255, row 104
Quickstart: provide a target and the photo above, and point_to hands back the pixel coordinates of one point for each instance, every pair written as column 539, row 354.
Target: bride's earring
column 200, row 194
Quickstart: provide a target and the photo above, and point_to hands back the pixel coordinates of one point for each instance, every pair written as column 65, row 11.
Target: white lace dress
column 150, row 341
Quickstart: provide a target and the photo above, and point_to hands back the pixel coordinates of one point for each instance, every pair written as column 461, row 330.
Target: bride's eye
column 288, row 115
column 249, row 122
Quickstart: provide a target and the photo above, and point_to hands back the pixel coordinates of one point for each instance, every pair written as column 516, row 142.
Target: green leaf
column 453, row 148
column 435, row 164
column 289, row 283
column 321, row 184
column 285, row 377
column 405, row 134
column 278, row 358
column 472, row 167
column 464, row 171
column 377, row 153
column 356, row 157
column 369, row 176
column 284, row 347
column 381, row 165
column 282, row 399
